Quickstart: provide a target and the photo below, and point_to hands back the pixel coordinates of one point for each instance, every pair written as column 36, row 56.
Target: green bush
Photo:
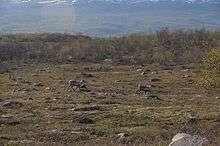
column 210, row 76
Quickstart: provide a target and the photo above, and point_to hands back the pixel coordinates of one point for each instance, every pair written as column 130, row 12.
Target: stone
column 83, row 120
column 23, row 92
column 198, row 95
column 30, row 98
column 154, row 96
column 185, row 70
column 92, row 94
column 87, row 108
column 139, row 70
column 6, row 116
column 8, row 120
column 100, row 94
column 26, row 82
column 76, row 132
column 48, row 88
column 186, row 76
column 88, row 75
column 155, row 80
column 153, row 72
column 70, row 58
column 36, row 125
column 14, row 84
column 34, row 75
column 183, row 139
column 192, row 119
column 143, row 73
column 19, row 78
column 38, row 84
column 58, row 92
column 54, row 130
column 104, row 69
column 42, row 70
column 179, row 136
column 61, row 81
column 122, row 135
column 11, row 104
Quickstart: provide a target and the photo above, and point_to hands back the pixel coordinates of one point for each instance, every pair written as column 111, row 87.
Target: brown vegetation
column 37, row 109
column 164, row 47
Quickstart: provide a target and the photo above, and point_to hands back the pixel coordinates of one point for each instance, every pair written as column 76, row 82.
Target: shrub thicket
column 164, row 47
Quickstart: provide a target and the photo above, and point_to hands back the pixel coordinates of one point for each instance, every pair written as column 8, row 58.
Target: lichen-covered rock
column 183, row 139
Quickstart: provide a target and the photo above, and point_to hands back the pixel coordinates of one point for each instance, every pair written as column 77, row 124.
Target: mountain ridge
column 106, row 17
column 74, row 2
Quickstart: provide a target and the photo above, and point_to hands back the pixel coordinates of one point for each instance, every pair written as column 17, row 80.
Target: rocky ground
column 36, row 107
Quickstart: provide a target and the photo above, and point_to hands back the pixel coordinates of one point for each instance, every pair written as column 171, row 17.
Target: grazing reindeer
column 11, row 76
column 144, row 88
column 81, row 85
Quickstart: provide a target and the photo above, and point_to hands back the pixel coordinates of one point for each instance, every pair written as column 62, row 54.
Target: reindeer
column 11, row 76
column 81, row 85
column 144, row 88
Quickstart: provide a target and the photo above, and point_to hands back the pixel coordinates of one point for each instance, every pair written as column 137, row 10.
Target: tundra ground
column 37, row 109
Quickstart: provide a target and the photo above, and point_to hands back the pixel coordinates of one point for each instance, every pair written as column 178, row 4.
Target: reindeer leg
column 77, row 87
column 86, row 89
column 74, row 88
column 138, row 92
column 81, row 87
column 68, row 87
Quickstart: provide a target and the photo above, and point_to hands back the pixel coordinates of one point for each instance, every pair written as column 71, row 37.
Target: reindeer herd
column 82, row 86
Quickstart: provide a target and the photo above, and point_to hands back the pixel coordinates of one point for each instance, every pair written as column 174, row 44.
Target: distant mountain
column 106, row 17
column 108, row 1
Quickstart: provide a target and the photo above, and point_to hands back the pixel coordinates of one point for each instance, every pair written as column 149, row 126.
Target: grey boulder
column 183, row 139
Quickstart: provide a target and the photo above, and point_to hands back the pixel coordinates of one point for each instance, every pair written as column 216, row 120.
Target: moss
column 4, row 79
